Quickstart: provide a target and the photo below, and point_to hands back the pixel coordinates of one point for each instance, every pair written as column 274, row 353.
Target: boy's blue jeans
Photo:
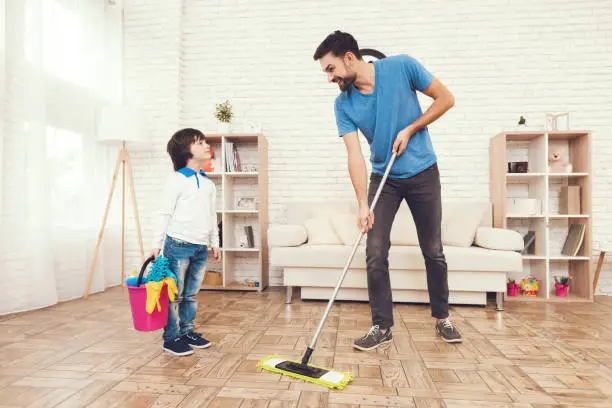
column 187, row 261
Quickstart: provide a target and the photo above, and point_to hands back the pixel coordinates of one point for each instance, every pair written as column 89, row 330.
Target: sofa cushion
column 320, row 231
column 287, row 235
column 345, row 226
column 499, row 239
column 460, row 221
column 400, row 257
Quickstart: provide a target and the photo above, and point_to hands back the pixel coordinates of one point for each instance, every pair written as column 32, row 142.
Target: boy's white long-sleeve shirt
column 187, row 210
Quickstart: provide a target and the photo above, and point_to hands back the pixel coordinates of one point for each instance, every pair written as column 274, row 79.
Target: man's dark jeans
column 423, row 196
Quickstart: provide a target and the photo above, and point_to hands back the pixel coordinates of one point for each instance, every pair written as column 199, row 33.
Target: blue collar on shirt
column 187, row 172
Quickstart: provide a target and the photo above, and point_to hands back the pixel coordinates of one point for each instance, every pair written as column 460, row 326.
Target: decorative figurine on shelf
column 252, row 283
column 513, row 288
column 209, row 164
column 530, row 286
column 557, row 159
column 562, row 285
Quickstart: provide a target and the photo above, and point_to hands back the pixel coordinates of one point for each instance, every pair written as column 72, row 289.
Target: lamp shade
column 120, row 123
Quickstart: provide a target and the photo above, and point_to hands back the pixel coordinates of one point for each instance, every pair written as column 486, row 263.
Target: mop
column 302, row 369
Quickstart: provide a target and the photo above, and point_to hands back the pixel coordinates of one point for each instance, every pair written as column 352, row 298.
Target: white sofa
column 315, row 243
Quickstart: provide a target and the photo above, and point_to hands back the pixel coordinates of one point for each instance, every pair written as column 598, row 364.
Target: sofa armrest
column 287, row 235
column 501, row 239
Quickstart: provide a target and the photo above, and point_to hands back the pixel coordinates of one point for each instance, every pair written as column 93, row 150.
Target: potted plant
column 513, row 287
column 224, row 116
column 562, row 285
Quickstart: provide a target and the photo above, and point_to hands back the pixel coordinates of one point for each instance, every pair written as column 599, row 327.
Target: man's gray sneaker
column 448, row 331
column 372, row 339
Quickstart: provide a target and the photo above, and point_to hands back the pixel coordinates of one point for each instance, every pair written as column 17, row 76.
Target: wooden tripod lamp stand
column 120, row 126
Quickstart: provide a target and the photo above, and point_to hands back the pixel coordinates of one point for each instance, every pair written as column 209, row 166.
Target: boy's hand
column 216, row 254
column 155, row 253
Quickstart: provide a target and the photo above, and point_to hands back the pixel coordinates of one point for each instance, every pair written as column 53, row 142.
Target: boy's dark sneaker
column 373, row 339
column 178, row 347
column 448, row 331
column 196, row 340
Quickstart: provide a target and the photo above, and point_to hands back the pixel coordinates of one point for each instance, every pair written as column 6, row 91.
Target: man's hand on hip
column 401, row 141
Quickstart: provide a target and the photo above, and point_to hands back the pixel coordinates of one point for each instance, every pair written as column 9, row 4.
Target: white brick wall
column 501, row 60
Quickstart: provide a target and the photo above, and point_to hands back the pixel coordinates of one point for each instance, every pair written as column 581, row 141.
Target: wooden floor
column 85, row 353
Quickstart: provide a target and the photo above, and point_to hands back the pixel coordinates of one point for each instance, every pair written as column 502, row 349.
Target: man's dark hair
column 338, row 43
column 179, row 146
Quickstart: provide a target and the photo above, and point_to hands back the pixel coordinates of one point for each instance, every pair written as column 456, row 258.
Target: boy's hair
column 179, row 146
column 338, row 43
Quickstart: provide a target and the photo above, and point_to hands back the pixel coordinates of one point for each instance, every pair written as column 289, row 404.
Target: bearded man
column 380, row 99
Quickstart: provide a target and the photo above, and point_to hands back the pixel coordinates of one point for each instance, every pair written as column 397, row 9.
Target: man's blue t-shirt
column 391, row 107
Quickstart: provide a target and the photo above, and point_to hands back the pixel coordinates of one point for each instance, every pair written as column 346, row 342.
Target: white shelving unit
column 549, row 225
column 241, row 264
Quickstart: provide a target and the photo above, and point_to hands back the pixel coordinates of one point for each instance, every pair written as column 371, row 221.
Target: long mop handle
column 313, row 342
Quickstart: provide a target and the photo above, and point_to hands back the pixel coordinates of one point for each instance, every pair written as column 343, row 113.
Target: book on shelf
column 574, row 239
column 250, row 241
column 529, row 243
column 232, row 158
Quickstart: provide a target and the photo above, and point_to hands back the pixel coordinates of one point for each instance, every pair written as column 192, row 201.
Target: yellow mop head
column 311, row 373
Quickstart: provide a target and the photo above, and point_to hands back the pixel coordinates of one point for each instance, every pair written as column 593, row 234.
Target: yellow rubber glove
column 153, row 292
column 172, row 289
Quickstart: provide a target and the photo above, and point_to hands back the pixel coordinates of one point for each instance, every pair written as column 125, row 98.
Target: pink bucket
column 142, row 320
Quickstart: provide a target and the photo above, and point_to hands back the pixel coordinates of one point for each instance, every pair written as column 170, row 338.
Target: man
column 380, row 99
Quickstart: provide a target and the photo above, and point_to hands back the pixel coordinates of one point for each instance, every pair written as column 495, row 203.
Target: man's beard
column 345, row 83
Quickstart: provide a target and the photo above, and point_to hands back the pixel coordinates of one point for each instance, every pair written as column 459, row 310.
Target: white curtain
column 63, row 61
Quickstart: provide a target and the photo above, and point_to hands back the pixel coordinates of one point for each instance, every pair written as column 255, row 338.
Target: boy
column 187, row 221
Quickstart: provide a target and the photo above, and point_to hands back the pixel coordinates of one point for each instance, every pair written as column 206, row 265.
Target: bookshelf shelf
column 563, row 207
column 523, row 176
column 560, row 175
column 571, row 298
column 240, row 211
column 562, row 216
column 240, row 173
column 558, row 257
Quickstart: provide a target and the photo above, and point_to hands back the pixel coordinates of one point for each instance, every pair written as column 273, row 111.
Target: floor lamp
column 120, row 126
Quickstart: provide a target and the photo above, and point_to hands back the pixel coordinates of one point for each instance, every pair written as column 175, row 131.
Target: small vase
column 224, row 127
column 513, row 289
column 561, row 290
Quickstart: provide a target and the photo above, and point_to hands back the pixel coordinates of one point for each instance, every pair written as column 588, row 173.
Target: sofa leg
column 289, row 295
column 500, row 301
